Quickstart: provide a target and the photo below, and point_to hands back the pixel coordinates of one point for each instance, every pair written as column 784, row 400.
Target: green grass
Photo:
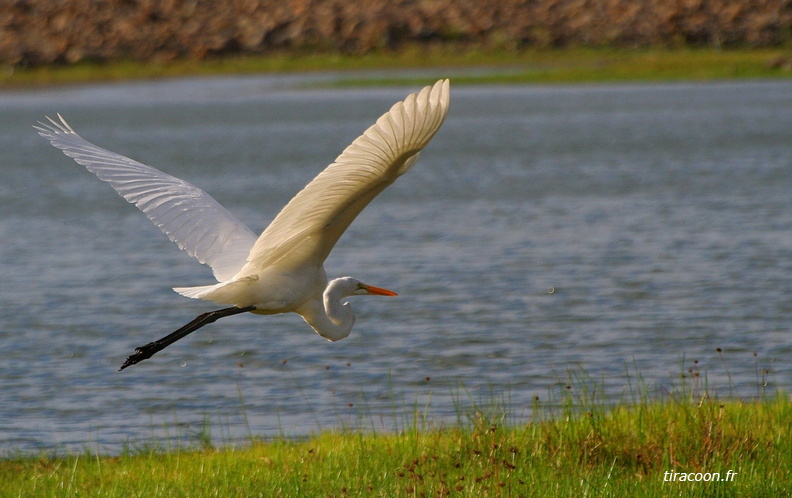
column 569, row 65
column 574, row 444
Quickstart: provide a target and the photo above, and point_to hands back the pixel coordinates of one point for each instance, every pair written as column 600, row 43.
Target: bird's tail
column 195, row 292
column 224, row 292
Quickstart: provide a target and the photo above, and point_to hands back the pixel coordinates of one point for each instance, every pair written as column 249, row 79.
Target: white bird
column 281, row 270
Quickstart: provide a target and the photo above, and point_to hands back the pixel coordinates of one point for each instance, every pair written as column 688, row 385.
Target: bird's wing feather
column 306, row 230
column 189, row 216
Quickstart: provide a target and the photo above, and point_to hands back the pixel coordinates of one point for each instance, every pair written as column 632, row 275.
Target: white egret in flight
column 282, row 269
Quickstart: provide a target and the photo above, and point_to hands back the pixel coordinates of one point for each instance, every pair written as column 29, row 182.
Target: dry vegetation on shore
column 42, row 32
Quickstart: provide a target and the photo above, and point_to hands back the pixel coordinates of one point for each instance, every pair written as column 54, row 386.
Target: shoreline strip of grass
column 638, row 449
column 569, row 65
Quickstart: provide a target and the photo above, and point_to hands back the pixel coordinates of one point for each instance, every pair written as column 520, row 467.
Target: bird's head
column 349, row 286
column 363, row 289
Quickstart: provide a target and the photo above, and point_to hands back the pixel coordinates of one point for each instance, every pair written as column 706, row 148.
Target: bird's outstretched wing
column 189, row 216
column 306, row 230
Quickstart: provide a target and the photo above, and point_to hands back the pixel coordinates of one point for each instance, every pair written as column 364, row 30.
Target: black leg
column 147, row 351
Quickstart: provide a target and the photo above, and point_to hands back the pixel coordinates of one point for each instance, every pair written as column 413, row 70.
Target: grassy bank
column 573, row 450
column 529, row 66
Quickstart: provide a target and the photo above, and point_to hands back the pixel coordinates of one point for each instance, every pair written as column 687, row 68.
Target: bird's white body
column 282, row 269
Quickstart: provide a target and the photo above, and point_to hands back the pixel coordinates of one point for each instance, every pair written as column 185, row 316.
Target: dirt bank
column 36, row 32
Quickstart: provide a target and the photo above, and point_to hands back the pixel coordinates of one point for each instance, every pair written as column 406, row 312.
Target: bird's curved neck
column 330, row 318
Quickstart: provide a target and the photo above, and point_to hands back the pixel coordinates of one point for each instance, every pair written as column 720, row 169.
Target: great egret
column 281, row 270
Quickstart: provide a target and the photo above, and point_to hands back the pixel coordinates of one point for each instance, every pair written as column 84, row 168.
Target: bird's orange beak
column 379, row 291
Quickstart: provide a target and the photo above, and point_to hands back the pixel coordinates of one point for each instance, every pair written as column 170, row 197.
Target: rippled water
column 612, row 229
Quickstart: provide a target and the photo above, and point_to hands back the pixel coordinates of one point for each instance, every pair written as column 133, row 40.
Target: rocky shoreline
column 39, row 32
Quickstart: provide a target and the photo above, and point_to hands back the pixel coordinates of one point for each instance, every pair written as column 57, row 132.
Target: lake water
column 615, row 230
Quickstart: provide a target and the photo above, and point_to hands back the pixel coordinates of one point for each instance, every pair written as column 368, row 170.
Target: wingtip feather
column 54, row 127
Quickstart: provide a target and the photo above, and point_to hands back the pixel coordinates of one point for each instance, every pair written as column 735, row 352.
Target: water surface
column 545, row 230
